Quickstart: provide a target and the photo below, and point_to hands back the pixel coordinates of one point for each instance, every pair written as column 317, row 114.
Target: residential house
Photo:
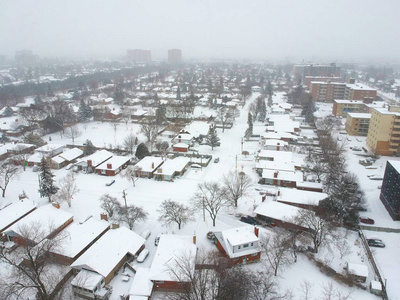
column 13, row 212
column 103, row 259
column 142, row 286
column 112, row 166
column 172, row 168
column 148, row 166
column 280, row 178
column 67, row 157
column 50, row 150
column 300, row 198
column 184, row 137
column 180, row 147
column 48, row 218
column 172, row 249
column 88, row 164
column 241, row 244
column 6, row 111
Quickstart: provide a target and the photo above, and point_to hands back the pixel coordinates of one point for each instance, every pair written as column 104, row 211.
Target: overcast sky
column 295, row 30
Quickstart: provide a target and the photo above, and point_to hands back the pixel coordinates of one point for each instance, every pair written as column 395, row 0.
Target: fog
column 337, row 30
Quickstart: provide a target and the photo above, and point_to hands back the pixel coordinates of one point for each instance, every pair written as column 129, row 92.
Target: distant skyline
column 292, row 30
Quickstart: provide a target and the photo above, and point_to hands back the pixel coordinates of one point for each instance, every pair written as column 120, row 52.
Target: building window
column 245, row 245
column 238, row 247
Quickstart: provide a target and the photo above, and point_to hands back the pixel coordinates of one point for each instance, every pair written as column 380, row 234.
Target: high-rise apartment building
column 384, row 131
column 308, row 79
column 301, row 71
column 390, row 191
column 328, row 91
column 139, row 55
column 357, row 124
column 174, row 56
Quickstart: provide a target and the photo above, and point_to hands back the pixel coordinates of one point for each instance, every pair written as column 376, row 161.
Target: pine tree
column 46, row 181
column 178, row 94
column 263, row 110
column 89, row 148
column 212, row 138
column 249, row 130
column 84, row 112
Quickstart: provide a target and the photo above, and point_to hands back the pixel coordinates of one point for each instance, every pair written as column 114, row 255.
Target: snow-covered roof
column 141, row 285
column 87, row 279
column 282, row 175
column 71, row 154
column 170, row 166
column 115, row 161
column 279, row 165
column 48, row 217
column 277, row 210
column 109, row 250
column 98, row 157
column 149, row 163
column 49, row 148
column 80, row 235
column 14, row 211
column 309, row 184
column 357, row 269
column 236, row 237
column 180, row 145
column 341, row 101
column 276, row 155
column 35, row 157
column 58, row 159
column 300, row 196
column 171, row 248
column 359, row 115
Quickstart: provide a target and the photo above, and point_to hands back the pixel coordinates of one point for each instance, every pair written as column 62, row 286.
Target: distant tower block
column 174, row 56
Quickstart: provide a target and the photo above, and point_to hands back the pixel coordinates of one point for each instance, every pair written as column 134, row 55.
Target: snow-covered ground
column 149, row 194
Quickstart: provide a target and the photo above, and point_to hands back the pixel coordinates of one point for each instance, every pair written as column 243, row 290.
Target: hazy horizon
column 309, row 31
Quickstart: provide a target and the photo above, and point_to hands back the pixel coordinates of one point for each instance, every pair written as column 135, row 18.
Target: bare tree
column 150, row 131
column 210, row 196
column 131, row 214
column 318, row 229
column 264, row 286
column 32, row 267
column 109, row 203
column 67, row 188
column 305, row 289
column 8, row 171
column 174, row 212
column 236, row 186
column 126, row 115
column 130, row 142
column 73, row 132
column 132, row 173
column 225, row 117
column 276, row 248
column 21, row 156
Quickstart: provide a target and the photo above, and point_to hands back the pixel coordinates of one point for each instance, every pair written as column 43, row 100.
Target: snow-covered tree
column 67, row 188
column 174, row 212
column 212, row 138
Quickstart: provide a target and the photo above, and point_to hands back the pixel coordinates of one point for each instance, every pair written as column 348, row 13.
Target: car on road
column 142, row 256
column 249, row 220
column 157, row 240
column 367, row 220
column 375, row 243
column 216, row 160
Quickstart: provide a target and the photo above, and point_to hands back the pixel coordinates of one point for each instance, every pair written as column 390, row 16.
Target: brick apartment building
column 357, row 124
column 308, row 79
column 301, row 71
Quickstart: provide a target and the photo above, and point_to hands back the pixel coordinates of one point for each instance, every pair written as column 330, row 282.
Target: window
column 251, row 244
column 238, row 247
column 245, row 245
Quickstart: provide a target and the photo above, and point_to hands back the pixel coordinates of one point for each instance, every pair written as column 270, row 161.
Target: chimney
column 89, row 163
column 103, row 216
column 279, row 192
column 256, row 231
column 276, row 174
column 263, row 198
column 152, row 165
column 56, row 204
column 194, row 239
column 115, row 225
column 109, row 166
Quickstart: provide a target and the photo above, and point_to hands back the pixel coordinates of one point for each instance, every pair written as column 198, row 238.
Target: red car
column 367, row 220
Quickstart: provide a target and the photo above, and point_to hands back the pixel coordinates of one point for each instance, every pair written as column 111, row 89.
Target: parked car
column 142, row 256
column 157, row 240
column 367, row 220
column 249, row 220
column 376, row 243
column 375, row 177
column 216, row 160
column 145, row 234
column 110, row 183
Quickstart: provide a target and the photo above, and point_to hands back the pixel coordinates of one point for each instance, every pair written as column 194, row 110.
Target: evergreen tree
column 262, row 114
column 47, row 187
column 212, row 138
column 84, row 112
column 249, row 130
column 142, row 151
column 269, row 89
column 119, row 96
column 178, row 94
column 89, row 148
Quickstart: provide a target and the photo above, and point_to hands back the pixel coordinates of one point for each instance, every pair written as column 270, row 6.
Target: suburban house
column 112, row 166
column 148, row 166
column 279, row 214
column 67, row 157
column 50, row 150
column 12, row 213
column 280, row 178
column 78, row 237
column 172, row 168
column 180, row 147
column 275, row 155
column 171, row 249
column 183, row 137
column 35, row 159
column 98, row 265
column 300, row 198
column 241, row 244
column 88, row 164
column 48, row 218
column 278, row 165
column 21, row 148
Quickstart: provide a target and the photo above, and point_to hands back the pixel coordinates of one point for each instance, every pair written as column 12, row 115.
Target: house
column 171, row 168
column 148, row 166
column 280, row 178
column 112, row 166
column 184, row 137
column 275, row 144
column 50, row 219
column 300, row 198
column 88, row 164
column 180, row 147
column 241, row 244
column 273, row 155
column 50, row 150
column 278, row 165
column 142, row 286
column 171, row 249
column 78, row 237
column 358, row 272
column 67, row 157
column 35, row 159
column 279, row 214
column 6, row 111
column 103, row 259
column 14, row 212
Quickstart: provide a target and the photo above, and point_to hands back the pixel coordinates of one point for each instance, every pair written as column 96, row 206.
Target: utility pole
column 204, row 212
